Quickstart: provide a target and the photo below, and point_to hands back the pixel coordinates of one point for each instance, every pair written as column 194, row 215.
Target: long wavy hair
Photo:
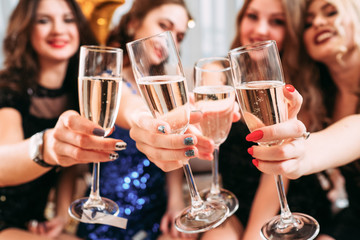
column 293, row 57
column 21, row 65
column 317, row 76
column 350, row 9
column 138, row 11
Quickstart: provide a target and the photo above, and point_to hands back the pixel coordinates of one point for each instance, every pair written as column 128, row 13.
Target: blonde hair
column 319, row 108
column 347, row 9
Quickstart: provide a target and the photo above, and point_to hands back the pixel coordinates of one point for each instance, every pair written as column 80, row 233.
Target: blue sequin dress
column 138, row 187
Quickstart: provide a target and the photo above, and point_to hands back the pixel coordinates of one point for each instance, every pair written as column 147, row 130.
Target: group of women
column 319, row 44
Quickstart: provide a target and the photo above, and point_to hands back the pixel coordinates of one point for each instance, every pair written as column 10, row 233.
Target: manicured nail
column 290, row 87
column 250, row 151
column 120, row 146
column 99, row 132
column 255, row 136
column 188, row 141
column 190, row 153
column 161, row 129
column 255, row 162
column 113, row 156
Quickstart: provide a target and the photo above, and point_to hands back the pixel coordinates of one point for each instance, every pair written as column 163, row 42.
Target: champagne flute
column 100, row 80
column 215, row 98
column 160, row 77
column 258, row 79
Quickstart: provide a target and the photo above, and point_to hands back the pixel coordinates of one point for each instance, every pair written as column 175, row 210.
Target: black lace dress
column 19, row 204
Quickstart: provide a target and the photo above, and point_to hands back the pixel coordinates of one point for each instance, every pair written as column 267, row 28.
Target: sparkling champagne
column 167, row 99
column 100, row 100
column 262, row 103
column 216, row 103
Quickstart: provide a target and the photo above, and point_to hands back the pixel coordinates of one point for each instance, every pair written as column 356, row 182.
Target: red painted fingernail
column 255, row 135
column 255, row 162
column 290, row 87
column 250, row 151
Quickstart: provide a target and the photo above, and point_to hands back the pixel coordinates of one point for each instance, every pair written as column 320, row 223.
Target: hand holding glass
column 158, row 72
column 215, row 98
column 100, row 81
column 259, row 81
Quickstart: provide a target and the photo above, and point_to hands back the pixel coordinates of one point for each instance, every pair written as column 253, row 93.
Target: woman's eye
column 251, row 16
column 69, row 20
column 164, row 26
column 279, row 22
column 42, row 20
column 332, row 13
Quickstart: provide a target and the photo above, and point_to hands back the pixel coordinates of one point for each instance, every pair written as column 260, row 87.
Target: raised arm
column 74, row 140
column 332, row 147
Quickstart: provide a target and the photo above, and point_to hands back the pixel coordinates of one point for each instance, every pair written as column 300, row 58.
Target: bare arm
column 265, row 206
column 71, row 141
column 332, row 147
column 15, row 163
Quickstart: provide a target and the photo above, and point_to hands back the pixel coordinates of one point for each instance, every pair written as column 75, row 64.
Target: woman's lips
column 158, row 52
column 57, row 43
column 323, row 37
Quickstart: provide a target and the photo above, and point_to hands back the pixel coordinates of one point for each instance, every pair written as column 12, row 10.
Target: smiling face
column 326, row 32
column 55, row 35
column 263, row 20
column 167, row 17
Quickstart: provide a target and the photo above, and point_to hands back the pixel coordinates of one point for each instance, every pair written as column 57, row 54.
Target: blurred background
column 211, row 36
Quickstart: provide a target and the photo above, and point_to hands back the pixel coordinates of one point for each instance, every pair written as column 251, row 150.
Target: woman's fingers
column 157, row 139
column 281, row 159
column 68, row 155
column 288, row 150
column 294, row 100
column 86, row 141
column 292, row 128
column 77, row 140
column 195, row 116
column 73, row 121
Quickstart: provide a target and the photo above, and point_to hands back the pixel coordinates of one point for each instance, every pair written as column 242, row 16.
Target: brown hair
column 138, row 11
column 21, row 62
column 293, row 57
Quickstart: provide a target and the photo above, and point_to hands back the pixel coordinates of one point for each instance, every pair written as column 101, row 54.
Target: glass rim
column 209, row 59
column 252, row 46
column 98, row 48
column 146, row 38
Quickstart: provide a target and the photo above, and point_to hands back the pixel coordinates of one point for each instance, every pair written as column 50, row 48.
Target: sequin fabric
column 138, row 187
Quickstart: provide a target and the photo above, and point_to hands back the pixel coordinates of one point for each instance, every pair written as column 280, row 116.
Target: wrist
column 36, row 150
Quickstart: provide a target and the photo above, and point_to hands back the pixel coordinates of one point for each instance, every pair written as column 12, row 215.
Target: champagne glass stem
column 215, row 189
column 196, row 201
column 286, row 216
column 94, row 198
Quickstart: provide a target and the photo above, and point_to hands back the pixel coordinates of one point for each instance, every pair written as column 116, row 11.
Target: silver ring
column 306, row 135
column 34, row 223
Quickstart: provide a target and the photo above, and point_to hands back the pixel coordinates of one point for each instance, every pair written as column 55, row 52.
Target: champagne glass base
column 302, row 227
column 83, row 212
column 224, row 196
column 208, row 216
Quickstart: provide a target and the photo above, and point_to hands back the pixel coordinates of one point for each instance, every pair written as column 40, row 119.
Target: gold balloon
column 99, row 13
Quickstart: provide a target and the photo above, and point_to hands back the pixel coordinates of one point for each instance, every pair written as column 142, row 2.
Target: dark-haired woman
column 37, row 84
